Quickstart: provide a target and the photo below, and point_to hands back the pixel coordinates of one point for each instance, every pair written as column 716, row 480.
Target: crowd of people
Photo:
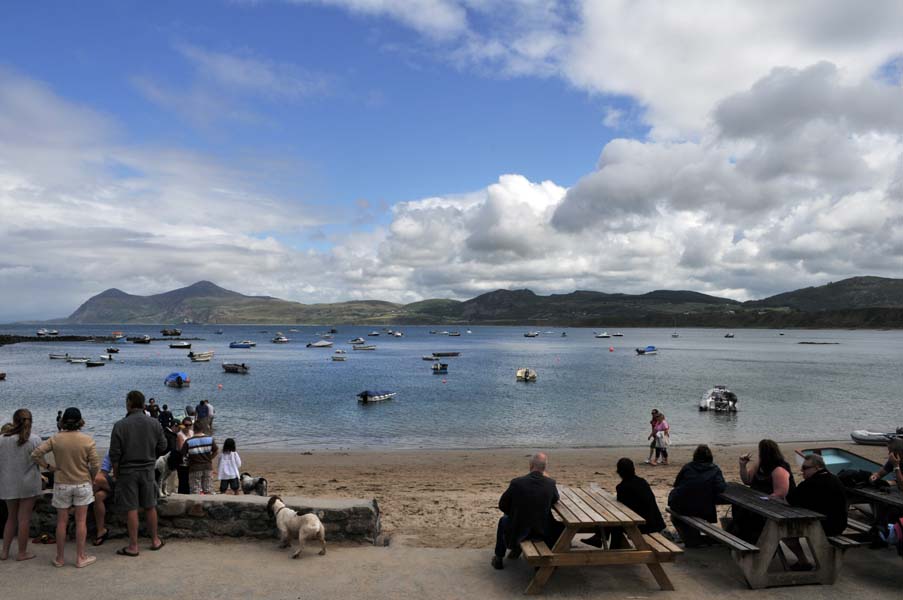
column 125, row 477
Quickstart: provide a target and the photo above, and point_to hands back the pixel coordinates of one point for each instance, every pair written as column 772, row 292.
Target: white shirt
column 229, row 466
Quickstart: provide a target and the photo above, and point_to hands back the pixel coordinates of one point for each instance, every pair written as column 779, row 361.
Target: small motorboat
column 46, row 332
column 201, row 356
column 719, row 399
column 729, row 335
column 179, row 379
column 106, row 357
column 446, row 354
column 454, row 334
column 77, row 359
column 112, row 350
column 280, row 339
column 675, row 335
column 367, row 396
column 236, row 368
column 171, row 332
column 218, row 332
column 363, row 347
column 243, row 344
column 398, row 334
column 144, row 339
column 117, row 336
column 338, row 356
column 439, row 368
column 357, row 340
column 531, row 334
column 181, row 345
column 648, row 350
column 95, row 363
column 373, row 334
column 59, row 356
column 320, row 344
column 875, row 438
column 434, row 358
column 603, row 335
column 526, row 374
column 619, row 334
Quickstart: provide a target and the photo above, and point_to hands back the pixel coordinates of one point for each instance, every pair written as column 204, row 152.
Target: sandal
column 44, row 538
column 100, row 539
column 155, row 548
column 125, row 552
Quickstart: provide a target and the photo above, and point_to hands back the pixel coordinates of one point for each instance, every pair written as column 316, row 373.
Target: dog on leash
column 291, row 524
column 163, row 476
column 253, row 485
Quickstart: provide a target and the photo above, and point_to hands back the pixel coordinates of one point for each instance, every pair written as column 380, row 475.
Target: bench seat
column 664, row 549
column 715, row 533
column 843, row 543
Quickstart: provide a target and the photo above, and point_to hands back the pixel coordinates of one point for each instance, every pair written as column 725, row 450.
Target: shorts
column 136, row 489
column 67, row 495
column 228, row 483
column 199, row 482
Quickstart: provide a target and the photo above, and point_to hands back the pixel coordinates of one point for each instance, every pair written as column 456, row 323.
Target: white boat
column 719, row 399
column 526, row 374
column 398, row 334
column 363, row 347
column 59, row 356
column 368, row 396
column 77, row 359
column 181, row 345
column 604, row 335
column 373, row 334
column 358, row 340
column 118, row 335
column 728, row 335
column 338, row 357
column 106, row 357
column 201, row 356
column 46, row 332
column 280, row 339
column 320, row 344
column 439, row 368
column 531, row 334
column 468, row 331
column 875, row 438
column 425, row 357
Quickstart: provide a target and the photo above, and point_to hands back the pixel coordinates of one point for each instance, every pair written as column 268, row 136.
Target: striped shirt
column 200, row 450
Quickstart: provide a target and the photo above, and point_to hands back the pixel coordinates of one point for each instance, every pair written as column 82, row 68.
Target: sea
column 792, row 385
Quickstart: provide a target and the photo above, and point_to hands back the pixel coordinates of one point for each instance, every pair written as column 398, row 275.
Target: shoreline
column 448, row 498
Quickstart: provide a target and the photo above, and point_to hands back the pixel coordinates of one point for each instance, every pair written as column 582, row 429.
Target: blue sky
column 327, row 150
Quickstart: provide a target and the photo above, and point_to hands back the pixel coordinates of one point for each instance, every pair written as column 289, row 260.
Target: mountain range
column 873, row 302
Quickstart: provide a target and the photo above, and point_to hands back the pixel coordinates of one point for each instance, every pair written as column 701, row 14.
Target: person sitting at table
column 769, row 474
column 636, row 494
column 887, row 514
column 527, row 504
column 822, row 492
column 695, row 493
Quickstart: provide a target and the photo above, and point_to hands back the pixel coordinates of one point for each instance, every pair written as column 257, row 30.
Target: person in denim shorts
column 76, row 462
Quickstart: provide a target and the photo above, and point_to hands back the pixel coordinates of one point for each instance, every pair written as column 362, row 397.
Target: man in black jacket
column 695, row 493
column 527, row 504
column 820, row 491
column 634, row 493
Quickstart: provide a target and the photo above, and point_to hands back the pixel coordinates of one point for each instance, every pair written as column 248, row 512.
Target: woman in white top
column 228, row 468
column 20, row 481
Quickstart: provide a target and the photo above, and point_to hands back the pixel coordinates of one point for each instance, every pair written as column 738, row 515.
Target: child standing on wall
column 229, row 468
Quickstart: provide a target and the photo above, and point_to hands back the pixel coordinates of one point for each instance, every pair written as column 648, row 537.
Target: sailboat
column 674, row 334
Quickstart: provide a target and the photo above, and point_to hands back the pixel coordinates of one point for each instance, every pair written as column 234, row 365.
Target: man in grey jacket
column 135, row 443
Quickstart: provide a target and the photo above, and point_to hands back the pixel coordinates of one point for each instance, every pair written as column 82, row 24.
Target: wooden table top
column 891, row 497
column 759, row 503
column 585, row 506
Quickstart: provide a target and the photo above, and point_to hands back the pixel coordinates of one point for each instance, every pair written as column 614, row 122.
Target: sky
column 331, row 150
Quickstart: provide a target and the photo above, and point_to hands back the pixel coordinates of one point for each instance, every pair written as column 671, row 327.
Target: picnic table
column 874, row 496
column 586, row 509
column 784, row 521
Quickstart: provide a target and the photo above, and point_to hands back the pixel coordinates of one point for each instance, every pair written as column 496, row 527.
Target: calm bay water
column 296, row 397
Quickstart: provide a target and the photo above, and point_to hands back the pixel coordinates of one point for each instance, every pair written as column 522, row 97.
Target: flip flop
column 99, row 540
column 155, row 548
column 58, row 564
column 90, row 560
column 125, row 552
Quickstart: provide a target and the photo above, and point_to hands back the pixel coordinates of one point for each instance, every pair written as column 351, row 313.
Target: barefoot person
column 75, row 455
column 135, row 443
column 20, row 481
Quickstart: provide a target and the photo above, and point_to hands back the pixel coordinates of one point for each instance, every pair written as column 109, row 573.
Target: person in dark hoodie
column 695, row 493
column 820, row 491
column 634, row 492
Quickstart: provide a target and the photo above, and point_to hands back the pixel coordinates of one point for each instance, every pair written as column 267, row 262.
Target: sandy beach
column 448, row 498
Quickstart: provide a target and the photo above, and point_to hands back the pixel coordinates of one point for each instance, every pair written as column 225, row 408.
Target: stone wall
column 195, row 516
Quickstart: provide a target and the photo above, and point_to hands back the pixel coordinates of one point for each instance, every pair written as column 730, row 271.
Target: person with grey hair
column 820, row 491
column 527, row 507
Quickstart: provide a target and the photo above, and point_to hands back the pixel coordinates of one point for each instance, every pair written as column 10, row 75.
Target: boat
column 604, row 335
column 468, row 331
column 719, row 399
column 95, row 363
column 338, row 357
column 179, row 379
column 46, row 332
column 200, row 356
column 367, row 396
column 647, row 350
column 439, row 368
column 236, row 368
column 113, row 350
column 454, row 334
column 526, row 374
column 218, row 332
column 425, row 357
column 144, row 339
column 373, row 334
column 618, row 334
column 293, row 331
column 363, row 347
column 564, row 334
column 838, row 459
column 77, row 359
column 358, row 340
column 117, row 335
column 320, row 344
column 874, row 438
column 106, row 357
column 244, row 344
column 182, row 345
column 729, row 335
column 280, row 339
column 675, row 335
column 433, row 332
column 398, row 334
column 59, row 356
column 531, row 334
column 446, row 354
column 171, row 332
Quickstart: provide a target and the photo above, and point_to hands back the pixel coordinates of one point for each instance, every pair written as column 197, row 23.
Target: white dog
column 291, row 524
column 163, row 476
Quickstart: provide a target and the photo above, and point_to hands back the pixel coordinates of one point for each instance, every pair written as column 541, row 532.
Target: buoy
column 611, row 348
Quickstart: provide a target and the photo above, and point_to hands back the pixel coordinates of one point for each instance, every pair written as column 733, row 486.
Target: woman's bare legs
column 9, row 530
column 18, row 523
column 81, row 534
column 62, row 521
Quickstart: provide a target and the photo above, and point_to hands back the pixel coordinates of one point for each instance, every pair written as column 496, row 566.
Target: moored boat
column 201, row 356
column 182, row 345
column 604, row 334
column 874, row 438
column 368, row 396
column 357, row 340
column 94, row 363
column 171, row 332
column 144, row 339
column 242, row 344
column 648, row 350
column 106, row 357
column 77, row 359
column 531, row 334
column 280, row 339
column 439, row 368
column 2, row 376
column 320, row 344
column 433, row 358
column 454, row 334
column 179, row 379
column 719, row 399
column 235, row 368
column 363, row 347
column 373, row 334
column 54, row 356
column 117, row 336
column 446, row 354
column 729, row 335
column 113, row 350
column 525, row 374
column 618, row 334
column 338, row 356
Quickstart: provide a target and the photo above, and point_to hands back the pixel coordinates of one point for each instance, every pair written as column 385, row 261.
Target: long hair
column 229, row 445
column 20, row 426
column 770, row 456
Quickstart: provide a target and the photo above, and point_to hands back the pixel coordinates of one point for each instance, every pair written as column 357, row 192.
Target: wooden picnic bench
column 783, row 521
column 586, row 509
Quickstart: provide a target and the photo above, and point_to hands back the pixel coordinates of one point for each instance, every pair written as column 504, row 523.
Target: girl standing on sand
column 20, row 481
column 651, row 436
column 228, row 468
column 662, row 439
